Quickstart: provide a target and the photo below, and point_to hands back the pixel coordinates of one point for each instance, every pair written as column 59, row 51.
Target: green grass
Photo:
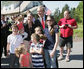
column 79, row 31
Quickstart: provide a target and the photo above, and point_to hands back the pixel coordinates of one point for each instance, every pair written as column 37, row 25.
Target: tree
column 72, row 12
column 77, row 13
column 79, row 10
column 57, row 14
column 66, row 7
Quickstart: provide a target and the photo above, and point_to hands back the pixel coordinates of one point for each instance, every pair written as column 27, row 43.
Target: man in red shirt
column 66, row 25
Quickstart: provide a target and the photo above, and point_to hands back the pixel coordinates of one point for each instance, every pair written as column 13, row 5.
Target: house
column 8, row 8
column 21, row 7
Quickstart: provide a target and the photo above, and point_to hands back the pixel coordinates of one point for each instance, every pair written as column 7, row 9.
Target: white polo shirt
column 15, row 41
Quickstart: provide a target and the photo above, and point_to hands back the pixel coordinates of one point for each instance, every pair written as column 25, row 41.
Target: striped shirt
column 37, row 59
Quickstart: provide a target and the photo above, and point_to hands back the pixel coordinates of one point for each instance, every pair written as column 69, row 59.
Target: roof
column 34, row 10
column 18, row 9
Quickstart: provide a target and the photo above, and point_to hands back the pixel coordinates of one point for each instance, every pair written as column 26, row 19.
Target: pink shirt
column 25, row 60
column 66, row 31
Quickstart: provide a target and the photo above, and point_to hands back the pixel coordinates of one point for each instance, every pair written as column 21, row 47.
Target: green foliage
column 79, row 31
column 66, row 7
column 76, row 13
column 57, row 14
column 79, row 10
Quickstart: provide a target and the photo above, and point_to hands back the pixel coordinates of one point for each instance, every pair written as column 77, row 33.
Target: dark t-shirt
column 49, row 44
column 29, row 31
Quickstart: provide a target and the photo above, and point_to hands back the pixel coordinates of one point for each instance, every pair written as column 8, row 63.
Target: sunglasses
column 49, row 20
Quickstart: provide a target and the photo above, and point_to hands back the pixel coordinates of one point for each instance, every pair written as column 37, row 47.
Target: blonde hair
column 42, row 36
column 36, row 36
column 14, row 26
column 28, row 12
column 20, row 18
column 20, row 49
column 37, row 28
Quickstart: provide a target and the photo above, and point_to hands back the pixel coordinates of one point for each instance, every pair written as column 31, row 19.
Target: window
column 9, row 8
column 35, row 4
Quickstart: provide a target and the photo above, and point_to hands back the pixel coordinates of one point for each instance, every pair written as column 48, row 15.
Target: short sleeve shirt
column 67, row 31
column 49, row 43
column 37, row 59
column 25, row 60
column 15, row 41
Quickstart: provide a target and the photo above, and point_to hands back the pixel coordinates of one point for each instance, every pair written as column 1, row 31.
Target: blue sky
column 52, row 5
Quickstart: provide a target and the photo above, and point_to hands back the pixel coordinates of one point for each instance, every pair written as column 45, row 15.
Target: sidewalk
column 76, row 57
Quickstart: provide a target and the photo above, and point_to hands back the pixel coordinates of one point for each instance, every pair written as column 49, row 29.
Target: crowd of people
column 33, row 43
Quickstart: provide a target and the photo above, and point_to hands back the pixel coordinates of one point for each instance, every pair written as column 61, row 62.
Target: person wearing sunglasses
column 51, row 43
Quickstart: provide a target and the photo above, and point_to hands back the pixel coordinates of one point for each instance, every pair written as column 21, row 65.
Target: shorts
column 66, row 41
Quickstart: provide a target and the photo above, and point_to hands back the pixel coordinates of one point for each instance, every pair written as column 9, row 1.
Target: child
column 19, row 22
column 37, row 52
column 21, row 29
column 13, row 41
column 24, row 56
column 23, row 33
column 42, row 36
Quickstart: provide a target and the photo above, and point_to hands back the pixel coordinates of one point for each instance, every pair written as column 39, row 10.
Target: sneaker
column 4, row 57
column 60, row 58
column 67, row 59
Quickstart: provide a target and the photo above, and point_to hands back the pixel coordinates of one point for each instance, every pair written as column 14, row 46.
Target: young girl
column 21, row 29
column 51, row 43
column 19, row 22
column 42, row 36
column 36, row 49
column 24, row 56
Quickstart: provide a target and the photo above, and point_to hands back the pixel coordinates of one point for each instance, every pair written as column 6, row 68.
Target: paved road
column 76, row 58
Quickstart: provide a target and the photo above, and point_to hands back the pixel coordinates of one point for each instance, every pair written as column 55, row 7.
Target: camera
column 66, row 24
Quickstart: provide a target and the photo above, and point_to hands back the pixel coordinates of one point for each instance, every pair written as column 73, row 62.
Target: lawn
column 79, row 31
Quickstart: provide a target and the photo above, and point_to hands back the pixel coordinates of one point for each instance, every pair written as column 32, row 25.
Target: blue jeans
column 50, row 62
